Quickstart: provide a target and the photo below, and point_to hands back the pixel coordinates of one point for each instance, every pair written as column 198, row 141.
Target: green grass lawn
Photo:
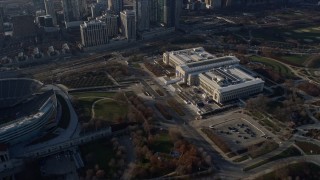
column 110, row 110
column 264, row 148
column 162, row 144
column 106, row 109
column 297, row 60
column 283, row 70
column 291, row 151
column 86, row 105
column 308, row 148
column 303, row 170
column 240, row 159
column 271, row 124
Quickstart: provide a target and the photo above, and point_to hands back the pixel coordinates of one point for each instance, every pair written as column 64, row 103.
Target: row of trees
column 291, row 109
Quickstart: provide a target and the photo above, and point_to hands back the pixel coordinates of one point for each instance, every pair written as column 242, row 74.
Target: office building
column 1, row 21
column 97, row 9
column 38, row 4
column 48, row 21
column 142, row 9
column 165, row 12
column 153, row 11
column 111, row 21
column 49, row 5
column 71, row 10
column 83, row 7
column 116, row 6
column 128, row 24
column 171, row 13
column 93, row 33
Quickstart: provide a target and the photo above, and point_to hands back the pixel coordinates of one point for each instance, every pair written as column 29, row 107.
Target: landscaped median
column 302, row 170
column 176, row 107
column 308, row 147
column 290, row 152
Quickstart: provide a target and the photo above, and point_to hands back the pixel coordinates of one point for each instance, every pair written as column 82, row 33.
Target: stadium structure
column 27, row 110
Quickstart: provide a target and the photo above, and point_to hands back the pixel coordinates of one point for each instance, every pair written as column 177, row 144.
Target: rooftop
column 192, row 55
column 226, row 79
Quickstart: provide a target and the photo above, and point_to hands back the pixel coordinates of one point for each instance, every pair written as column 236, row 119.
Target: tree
column 100, row 173
column 89, row 173
column 175, row 134
column 120, row 96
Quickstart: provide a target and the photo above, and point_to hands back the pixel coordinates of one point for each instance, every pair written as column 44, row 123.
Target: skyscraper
column 1, row 20
column 112, row 24
column 128, row 24
column 49, row 4
column 93, row 33
column 71, row 10
column 153, row 10
column 171, row 13
column 115, row 5
column 38, row 4
column 111, row 21
column 142, row 8
column 83, row 6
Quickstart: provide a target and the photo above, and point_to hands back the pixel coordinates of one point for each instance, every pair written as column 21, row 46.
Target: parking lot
column 238, row 133
column 238, row 130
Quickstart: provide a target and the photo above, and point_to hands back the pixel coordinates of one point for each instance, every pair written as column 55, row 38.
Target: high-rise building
column 83, row 7
column 142, row 8
column 153, row 10
column 172, row 11
column 71, row 10
column 115, row 6
column 38, row 4
column 97, row 9
column 160, row 11
column 94, row 33
column 128, row 24
column 49, row 4
column 1, row 20
column 112, row 24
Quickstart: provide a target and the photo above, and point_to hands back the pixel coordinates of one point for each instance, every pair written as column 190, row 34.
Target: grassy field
column 162, row 144
column 86, row 105
column 110, row 110
column 291, row 151
column 107, row 109
column 297, row 60
column 308, row 148
column 302, row 170
column 276, row 66
column 282, row 34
